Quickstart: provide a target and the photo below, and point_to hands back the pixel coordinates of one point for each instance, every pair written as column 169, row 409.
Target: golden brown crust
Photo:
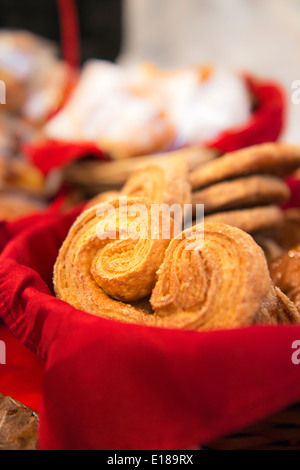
column 91, row 272
column 285, row 272
column 223, row 283
column 230, row 279
column 162, row 182
column 242, row 192
column 249, row 220
column 271, row 158
column 287, row 311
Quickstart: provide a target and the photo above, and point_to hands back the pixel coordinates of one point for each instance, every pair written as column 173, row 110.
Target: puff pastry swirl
column 221, row 283
column 101, row 266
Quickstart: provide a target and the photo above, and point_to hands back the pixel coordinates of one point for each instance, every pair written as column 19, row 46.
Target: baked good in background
column 163, row 181
column 14, row 205
column 17, row 174
column 36, row 83
column 95, row 177
column 35, row 79
column 244, row 188
column 131, row 111
column 23, row 188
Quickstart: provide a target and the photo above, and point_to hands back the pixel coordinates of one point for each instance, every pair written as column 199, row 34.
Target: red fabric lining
column 266, row 122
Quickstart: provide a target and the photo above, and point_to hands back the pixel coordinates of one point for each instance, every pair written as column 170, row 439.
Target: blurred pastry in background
column 35, row 79
column 94, row 176
column 17, row 174
column 35, row 84
column 141, row 109
column 14, row 205
column 105, row 110
column 24, row 189
column 8, row 138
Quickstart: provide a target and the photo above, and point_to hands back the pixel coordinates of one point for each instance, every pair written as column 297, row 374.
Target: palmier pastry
column 285, row 272
column 272, row 158
column 250, row 220
column 162, row 182
column 221, row 283
column 95, row 176
column 242, row 192
column 100, row 263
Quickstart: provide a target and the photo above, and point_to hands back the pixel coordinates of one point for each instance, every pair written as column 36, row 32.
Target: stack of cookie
column 245, row 188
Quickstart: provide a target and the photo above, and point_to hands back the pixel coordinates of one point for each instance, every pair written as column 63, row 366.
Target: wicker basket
column 280, row 431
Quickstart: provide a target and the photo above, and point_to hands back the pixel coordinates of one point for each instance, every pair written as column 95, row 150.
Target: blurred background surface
column 100, row 23
column 260, row 36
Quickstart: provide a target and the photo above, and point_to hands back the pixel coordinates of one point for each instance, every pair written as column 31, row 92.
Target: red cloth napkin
column 266, row 122
column 294, row 185
column 264, row 125
column 22, row 375
column 51, row 154
column 109, row 385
